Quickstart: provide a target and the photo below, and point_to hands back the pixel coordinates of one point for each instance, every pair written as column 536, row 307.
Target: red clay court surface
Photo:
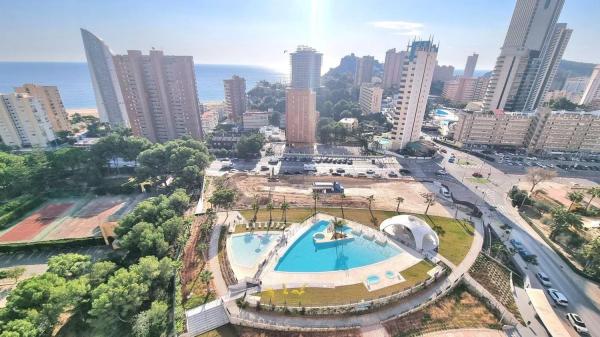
column 86, row 221
column 32, row 225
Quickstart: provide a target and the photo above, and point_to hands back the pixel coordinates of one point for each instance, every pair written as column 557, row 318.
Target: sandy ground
column 297, row 191
column 558, row 189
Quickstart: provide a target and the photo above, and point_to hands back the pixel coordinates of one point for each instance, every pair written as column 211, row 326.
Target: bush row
column 20, row 210
column 52, row 244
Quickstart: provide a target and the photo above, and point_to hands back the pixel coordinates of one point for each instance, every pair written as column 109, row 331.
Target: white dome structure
column 402, row 226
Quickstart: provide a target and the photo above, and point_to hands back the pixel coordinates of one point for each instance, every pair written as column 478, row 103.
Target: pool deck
column 329, row 279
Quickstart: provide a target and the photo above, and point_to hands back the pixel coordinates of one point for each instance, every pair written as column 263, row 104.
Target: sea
column 75, row 87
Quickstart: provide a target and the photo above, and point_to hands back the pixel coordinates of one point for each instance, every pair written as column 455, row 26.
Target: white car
column 544, row 279
column 558, row 297
column 577, row 323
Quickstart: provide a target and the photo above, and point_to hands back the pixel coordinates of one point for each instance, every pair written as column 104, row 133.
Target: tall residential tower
column 300, row 98
column 364, row 70
column 235, row 97
column 528, row 58
column 471, row 64
column 109, row 100
column 410, row 103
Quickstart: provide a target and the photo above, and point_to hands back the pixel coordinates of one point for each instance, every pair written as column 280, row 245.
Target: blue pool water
column 305, row 256
column 251, row 248
column 440, row 112
column 373, row 279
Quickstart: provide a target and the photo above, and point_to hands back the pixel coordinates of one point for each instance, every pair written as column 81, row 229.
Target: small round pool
column 373, row 279
column 390, row 274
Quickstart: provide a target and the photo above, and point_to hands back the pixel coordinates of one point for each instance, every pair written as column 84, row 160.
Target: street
column 583, row 295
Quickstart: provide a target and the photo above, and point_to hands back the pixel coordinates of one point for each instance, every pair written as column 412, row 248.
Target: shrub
column 20, row 210
column 477, row 175
column 543, row 206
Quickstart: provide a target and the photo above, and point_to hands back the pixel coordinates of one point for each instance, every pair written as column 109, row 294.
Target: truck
column 328, row 187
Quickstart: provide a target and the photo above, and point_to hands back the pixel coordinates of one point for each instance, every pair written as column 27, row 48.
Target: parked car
column 340, row 170
column 404, row 171
column 361, row 175
column 577, row 323
column 369, row 171
column 441, row 172
column 544, row 279
column 392, row 175
column 451, row 160
column 558, row 297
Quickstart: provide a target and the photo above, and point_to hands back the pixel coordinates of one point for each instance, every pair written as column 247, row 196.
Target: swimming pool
column 249, row 249
column 304, row 256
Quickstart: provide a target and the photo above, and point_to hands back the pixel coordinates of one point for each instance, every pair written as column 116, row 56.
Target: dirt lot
column 297, row 191
column 32, row 225
column 557, row 189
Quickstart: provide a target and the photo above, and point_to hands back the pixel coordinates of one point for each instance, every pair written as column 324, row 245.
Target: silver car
column 544, row 279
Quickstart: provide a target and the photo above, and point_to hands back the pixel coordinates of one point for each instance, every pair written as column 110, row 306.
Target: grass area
column 457, row 310
column 496, row 279
column 481, row 181
column 224, row 331
column 455, row 236
column 346, row 294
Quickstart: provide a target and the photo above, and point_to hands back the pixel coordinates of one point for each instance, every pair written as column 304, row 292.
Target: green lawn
column 346, row 294
column 479, row 180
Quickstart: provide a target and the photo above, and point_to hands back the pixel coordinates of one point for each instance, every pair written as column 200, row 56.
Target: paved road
column 583, row 295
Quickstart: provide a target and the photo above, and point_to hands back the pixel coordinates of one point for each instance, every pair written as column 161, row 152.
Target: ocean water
column 75, row 86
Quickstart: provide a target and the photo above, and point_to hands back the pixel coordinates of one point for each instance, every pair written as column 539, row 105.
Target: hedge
column 19, row 211
column 52, row 244
column 557, row 251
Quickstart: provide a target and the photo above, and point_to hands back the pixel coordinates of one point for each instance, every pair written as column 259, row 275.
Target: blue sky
column 257, row 32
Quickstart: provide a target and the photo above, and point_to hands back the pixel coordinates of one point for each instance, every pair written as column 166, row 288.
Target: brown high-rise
column 301, row 116
column 160, row 95
column 235, row 97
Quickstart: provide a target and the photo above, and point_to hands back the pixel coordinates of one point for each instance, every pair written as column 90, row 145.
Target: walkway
column 224, row 219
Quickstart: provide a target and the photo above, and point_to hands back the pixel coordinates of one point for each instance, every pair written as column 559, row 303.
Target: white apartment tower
column 591, row 95
column 24, row 122
column 532, row 46
column 109, row 98
column 49, row 97
column 369, row 98
column 410, row 103
column 471, row 64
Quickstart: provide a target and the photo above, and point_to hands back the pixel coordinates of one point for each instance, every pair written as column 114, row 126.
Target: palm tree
column 370, row 199
column 270, row 209
column 342, row 198
column 206, row 276
column 201, row 249
column 255, row 207
column 399, row 200
column 595, row 193
column 575, row 197
column 563, row 220
column 284, row 208
column 429, row 200
column 338, row 227
column 315, row 196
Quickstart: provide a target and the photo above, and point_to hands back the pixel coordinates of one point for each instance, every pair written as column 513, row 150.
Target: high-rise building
column 306, row 68
column 392, row 68
column 575, row 85
column 49, row 97
column 369, row 98
column 461, row 90
column 364, row 70
column 545, row 70
column 443, row 73
column 591, row 95
column 471, row 64
column 301, row 116
column 300, row 98
column 24, row 122
column 235, row 97
column 528, row 59
column 411, row 101
column 109, row 99
column 160, row 95
column 481, row 87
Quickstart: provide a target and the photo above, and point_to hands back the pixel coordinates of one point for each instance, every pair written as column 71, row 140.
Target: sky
column 259, row 32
